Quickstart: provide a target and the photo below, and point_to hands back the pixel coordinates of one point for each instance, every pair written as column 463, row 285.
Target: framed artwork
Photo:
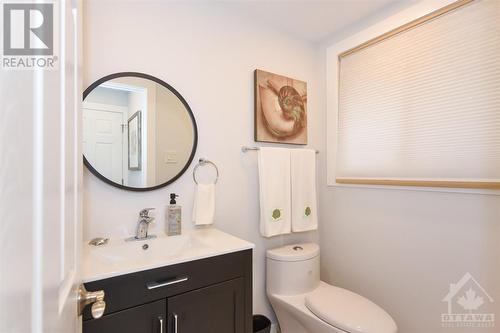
column 135, row 142
column 280, row 109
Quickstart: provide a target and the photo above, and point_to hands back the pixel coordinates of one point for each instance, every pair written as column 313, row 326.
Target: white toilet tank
column 293, row 269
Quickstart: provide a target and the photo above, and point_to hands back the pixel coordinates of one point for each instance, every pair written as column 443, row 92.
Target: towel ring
column 201, row 162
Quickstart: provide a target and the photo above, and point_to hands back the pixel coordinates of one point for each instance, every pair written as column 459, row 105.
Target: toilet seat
column 348, row 311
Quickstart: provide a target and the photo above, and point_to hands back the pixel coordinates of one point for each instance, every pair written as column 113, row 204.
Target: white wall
column 402, row 248
column 108, row 96
column 209, row 56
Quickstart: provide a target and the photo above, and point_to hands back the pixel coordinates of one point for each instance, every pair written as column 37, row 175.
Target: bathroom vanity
column 200, row 281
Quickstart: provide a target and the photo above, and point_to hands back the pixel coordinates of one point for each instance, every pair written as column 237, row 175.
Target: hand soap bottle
column 174, row 216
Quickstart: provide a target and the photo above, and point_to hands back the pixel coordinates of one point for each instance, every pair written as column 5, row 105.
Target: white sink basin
column 157, row 248
column 119, row 257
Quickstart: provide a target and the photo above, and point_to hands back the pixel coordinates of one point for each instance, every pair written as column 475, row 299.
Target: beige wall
column 174, row 134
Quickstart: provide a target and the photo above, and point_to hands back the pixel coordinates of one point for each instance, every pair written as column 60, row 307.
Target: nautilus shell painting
column 280, row 109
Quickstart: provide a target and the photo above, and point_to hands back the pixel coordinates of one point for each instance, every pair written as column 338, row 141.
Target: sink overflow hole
column 145, row 247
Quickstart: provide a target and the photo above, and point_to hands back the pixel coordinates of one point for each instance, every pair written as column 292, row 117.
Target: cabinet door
column 147, row 318
column 214, row 309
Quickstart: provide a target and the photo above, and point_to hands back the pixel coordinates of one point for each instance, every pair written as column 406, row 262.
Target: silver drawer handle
column 176, row 318
column 161, row 324
column 154, row 285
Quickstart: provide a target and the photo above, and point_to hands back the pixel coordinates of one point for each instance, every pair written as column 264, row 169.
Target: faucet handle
column 145, row 212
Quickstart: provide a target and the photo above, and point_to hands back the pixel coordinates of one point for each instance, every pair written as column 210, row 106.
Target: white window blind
column 422, row 106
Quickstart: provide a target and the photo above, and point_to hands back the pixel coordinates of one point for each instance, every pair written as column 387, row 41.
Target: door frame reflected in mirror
column 183, row 101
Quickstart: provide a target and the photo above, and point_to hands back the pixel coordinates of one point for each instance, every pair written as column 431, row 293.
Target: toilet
column 305, row 304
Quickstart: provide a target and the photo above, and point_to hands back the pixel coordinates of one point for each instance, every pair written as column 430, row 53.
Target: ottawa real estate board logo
column 468, row 305
column 28, row 37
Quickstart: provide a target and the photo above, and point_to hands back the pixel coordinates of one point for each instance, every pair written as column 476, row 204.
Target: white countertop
column 119, row 257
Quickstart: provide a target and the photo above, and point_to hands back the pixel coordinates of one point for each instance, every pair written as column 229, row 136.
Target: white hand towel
column 303, row 179
column 274, row 183
column 204, row 204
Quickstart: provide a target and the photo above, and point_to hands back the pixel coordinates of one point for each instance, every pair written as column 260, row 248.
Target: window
column 420, row 105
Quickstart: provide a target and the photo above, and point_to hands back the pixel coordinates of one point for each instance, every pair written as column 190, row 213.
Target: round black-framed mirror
column 139, row 133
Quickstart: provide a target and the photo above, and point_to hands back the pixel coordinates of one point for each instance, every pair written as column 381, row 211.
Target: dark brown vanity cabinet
column 212, row 295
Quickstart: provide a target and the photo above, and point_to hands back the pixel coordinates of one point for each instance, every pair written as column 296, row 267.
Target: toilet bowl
column 304, row 304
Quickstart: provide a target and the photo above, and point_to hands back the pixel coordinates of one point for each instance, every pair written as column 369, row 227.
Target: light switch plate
column 170, row 157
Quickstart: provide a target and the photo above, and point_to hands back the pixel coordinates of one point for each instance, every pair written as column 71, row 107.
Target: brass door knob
column 96, row 298
column 97, row 309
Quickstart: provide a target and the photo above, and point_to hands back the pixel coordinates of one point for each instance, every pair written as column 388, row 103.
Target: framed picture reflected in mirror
column 134, row 142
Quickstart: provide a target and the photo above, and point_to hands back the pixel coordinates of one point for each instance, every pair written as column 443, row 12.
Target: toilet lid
column 349, row 311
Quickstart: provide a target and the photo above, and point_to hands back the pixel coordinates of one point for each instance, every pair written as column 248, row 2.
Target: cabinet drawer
column 147, row 318
column 126, row 291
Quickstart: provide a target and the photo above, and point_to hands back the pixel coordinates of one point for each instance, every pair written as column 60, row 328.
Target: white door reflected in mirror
column 139, row 133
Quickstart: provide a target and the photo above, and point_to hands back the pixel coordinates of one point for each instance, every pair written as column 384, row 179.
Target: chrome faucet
column 143, row 226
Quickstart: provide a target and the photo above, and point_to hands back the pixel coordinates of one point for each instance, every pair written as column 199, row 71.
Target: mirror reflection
column 137, row 133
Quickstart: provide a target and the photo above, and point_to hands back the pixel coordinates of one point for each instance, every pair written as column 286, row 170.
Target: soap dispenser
column 174, row 216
